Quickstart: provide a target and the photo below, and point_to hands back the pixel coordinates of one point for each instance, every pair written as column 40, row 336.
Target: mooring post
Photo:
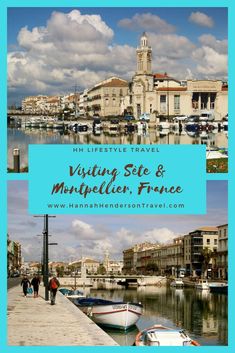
column 16, row 160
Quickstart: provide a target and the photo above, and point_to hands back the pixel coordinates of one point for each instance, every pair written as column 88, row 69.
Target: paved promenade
column 34, row 322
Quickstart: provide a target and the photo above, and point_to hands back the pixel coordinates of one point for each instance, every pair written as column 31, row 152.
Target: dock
column 34, row 322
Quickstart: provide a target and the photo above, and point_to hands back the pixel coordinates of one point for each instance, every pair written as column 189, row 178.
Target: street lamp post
column 45, row 254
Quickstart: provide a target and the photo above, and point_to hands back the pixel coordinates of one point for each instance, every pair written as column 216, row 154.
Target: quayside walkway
column 34, row 322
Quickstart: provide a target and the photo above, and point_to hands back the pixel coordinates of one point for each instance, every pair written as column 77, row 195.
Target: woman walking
column 25, row 284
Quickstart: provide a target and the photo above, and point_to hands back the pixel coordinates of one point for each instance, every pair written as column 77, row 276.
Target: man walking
column 53, row 286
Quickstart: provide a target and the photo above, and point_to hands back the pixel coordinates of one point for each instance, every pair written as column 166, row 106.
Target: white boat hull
column 121, row 316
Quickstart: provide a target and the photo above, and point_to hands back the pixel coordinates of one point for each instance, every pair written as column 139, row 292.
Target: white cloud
column 221, row 46
column 211, row 63
column 171, row 46
column 161, row 235
column 147, row 22
column 71, row 49
column 83, row 229
column 201, row 19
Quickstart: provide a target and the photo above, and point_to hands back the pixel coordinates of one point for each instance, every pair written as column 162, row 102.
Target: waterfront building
column 34, row 267
column 190, row 254
column 222, row 252
column 145, row 262
column 70, row 101
column 14, row 256
column 57, row 267
column 112, row 266
column 163, row 95
column 104, row 99
column 163, row 259
column 34, row 104
column 83, row 104
column 130, row 257
column 195, row 244
column 88, row 265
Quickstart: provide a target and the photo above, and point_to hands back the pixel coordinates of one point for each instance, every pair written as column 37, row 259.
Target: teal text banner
column 117, row 179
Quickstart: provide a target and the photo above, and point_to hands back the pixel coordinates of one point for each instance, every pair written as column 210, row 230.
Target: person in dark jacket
column 53, row 286
column 35, row 283
column 25, row 283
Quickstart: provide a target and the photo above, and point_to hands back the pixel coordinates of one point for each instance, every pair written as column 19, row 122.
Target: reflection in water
column 202, row 314
column 18, row 138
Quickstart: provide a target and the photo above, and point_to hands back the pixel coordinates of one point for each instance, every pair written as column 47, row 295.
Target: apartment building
column 194, row 244
column 222, row 252
column 105, row 98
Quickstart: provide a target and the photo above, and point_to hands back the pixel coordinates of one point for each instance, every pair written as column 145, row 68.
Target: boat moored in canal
column 202, row 284
column 177, row 283
column 218, row 287
column 118, row 315
column 72, row 294
column 159, row 335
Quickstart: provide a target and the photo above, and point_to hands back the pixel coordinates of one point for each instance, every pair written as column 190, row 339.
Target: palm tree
column 206, row 257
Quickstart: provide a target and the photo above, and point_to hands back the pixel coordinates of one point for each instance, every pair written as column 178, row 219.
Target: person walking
column 25, row 283
column 53, row 286
column 35, row 283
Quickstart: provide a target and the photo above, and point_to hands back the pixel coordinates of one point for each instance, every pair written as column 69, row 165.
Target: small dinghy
column 72, row 294
column 159, row 335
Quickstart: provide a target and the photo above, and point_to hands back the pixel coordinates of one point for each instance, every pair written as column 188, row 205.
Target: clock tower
column 142, row 83
column 144, row 56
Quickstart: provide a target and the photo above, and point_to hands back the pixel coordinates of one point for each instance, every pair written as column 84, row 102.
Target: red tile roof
column 114, row 82
column 160, row 76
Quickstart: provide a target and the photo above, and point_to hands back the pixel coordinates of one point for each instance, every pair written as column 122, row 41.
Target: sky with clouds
column 91, row 235
column 52, row 49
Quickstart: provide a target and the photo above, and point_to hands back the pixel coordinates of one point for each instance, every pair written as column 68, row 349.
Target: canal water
column 21, row 138
column 202, row 314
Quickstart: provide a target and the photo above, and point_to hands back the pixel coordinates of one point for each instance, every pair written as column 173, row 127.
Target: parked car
column 207, row 116
column 180, row 117
column 193, row 118
column 145, row 117
column 129, row 117
column 15, row 274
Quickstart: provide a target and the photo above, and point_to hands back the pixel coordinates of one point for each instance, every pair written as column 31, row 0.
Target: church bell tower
column 144, row 56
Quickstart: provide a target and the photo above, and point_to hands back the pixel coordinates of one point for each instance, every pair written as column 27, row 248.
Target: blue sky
column 91, row 235
column 46, row 57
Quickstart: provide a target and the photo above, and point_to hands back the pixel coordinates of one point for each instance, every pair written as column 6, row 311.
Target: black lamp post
column 45, row 234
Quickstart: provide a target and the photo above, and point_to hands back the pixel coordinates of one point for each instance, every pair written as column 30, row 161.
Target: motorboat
column 119, row 315
column 191, row 126
column 141, row 126
column 159, row 335
column 164, row 125
column 202, row 284
column 181, row 118
column 145, row 117
column 80, row 127
column 177, row 283
column 113, row 125
column 206, row 116
column 58, row 125
column 218, row 287
column 97, row 124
